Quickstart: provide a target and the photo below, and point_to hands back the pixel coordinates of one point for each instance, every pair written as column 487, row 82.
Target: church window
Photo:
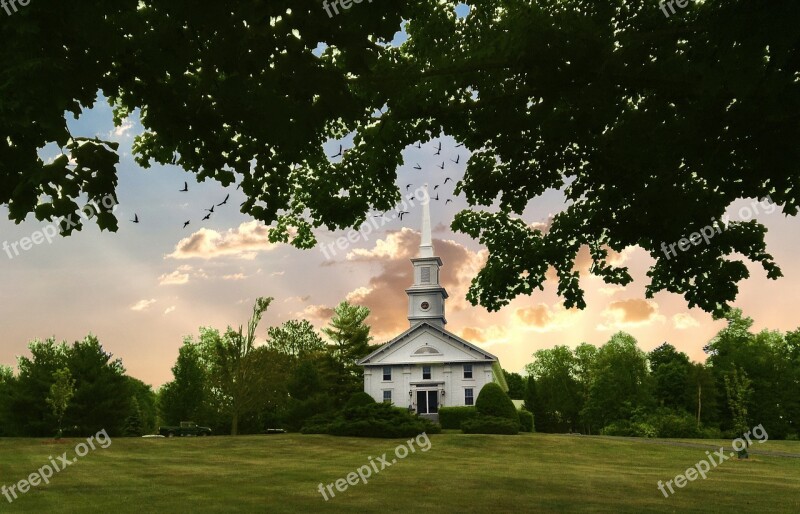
column 467, row 370
column 426, row 274
column 469, row 399
column 387, row 372
column 387, row 396
column 426, row 372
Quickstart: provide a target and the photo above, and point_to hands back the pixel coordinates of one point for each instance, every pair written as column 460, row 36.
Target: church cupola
column 426, row 296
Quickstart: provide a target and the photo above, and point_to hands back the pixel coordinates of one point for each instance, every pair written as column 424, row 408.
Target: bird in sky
column 437, row 197
column 419, row 145
column 185, row 188
column 448, row 201
column 135, row 218
column 238, row 186
column 338, row 154
column 402, row 213
column 407, row 186
column 442, row 166
column 458, row 158
column 439, row 149
column 446, row 179
column 224, row 201
column 211, row 210
column 207, row 217
column 459, row 145
column 186, row 224
column 436, row 187
column 417, row 167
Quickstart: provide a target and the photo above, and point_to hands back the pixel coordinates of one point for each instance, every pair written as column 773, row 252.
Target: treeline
column 617, row 389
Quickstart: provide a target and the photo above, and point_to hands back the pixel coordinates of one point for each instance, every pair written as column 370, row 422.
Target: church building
column 427, row 367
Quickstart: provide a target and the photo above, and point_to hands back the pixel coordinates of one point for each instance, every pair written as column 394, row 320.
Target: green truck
column 186, row 429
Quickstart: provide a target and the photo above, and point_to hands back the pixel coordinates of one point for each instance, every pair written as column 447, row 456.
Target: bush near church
column 496, row 413
column 490, row 425
column 525, row 420
column 372, row 420
column 452, row 417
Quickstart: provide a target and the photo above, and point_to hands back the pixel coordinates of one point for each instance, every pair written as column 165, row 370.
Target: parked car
column 186, row 429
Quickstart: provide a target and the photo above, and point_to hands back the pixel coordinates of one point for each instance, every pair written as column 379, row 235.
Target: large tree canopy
column 651, row 125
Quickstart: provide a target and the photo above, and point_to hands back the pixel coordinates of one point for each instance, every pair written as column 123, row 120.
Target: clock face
column 425, row 306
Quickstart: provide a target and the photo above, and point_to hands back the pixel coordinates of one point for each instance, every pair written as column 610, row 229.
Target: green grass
column 460, row 473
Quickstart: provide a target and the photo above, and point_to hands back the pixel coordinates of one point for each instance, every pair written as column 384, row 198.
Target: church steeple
column 426, row 296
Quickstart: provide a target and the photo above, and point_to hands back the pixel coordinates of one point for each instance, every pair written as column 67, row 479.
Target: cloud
column 236, row 276
column 121, row 131
column 176, row 278
column 544, row 318
column 276, row 273
column 320, row 314
column 169, row 309
column 490, row 334
column 143, row 305
column 682, row 321
column 610, row 290
column 630, row 313
column 301, row 299
column 243, row 242
column 385, row 294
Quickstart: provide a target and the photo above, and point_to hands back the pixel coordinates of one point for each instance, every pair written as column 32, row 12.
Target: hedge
column 490, row 425
column 375, row 420
column 452, row 417
column 359, row 400
column 525, row 420
column 493, row 401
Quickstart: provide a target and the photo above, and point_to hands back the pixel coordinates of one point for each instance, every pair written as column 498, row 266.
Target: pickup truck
column 186, row 429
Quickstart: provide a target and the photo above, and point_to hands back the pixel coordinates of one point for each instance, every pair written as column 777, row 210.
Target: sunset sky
column 144, row 288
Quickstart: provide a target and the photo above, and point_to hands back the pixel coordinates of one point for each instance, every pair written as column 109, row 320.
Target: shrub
column 493, row 401
column 359, row 400
column 674, row 424
column 452, row 417
column 300, row 411
column 525, row 420
column 624, row 428
column 375, row 420
column 490, row 425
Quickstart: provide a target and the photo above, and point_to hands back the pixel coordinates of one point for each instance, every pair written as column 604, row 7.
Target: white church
column 427, row 367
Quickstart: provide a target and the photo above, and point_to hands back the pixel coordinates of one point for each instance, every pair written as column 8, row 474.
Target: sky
column 144, row 288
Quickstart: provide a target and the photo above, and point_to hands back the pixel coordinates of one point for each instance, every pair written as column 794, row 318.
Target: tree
column 295, row 338
column 671, row 370
column 134, row 424
column 237, row 373
column 738, row 391
column 188, row 397
column 61, row 392
column 558, row 400
column 516, row 385
column 630, row 114
column 350, row 337
column 7, row 383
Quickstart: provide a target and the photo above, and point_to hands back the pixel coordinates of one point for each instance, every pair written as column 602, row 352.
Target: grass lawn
column 460, row 473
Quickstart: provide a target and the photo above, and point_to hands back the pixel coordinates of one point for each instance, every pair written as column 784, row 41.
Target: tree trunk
column 235, row 424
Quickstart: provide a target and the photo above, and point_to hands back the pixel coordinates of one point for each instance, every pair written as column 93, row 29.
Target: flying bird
column 459, row 145
column 442, row 166
column 458, row 158
column 407, row 186
column 436, row 187
column 446, row 179
column 211, row 210
column 439, row 150
column 419, row 145
column 135, row 218
column 402, row 213
column 185, row 188
column 417, row 167
column 448, row 201
column 338, row 154
column 437, row 197
column 224, row 201
column 238, row 186
column 186, row 224
column 207, row 216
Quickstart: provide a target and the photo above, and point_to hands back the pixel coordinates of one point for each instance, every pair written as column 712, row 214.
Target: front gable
column 426, row 344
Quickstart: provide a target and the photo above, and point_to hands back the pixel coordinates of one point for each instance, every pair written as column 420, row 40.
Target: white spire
column 426, row 244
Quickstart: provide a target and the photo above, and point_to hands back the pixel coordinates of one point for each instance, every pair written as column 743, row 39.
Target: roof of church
column 419, row 326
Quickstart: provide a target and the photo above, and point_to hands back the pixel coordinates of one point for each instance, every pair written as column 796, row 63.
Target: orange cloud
column 631, row 312
column 243, row 242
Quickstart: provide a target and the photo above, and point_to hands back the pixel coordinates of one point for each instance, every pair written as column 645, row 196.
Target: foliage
column 351, row 339
column 737, row 388
column 452, row 417
column 626, row 428
column 134, row 424
column 490, row 425
column 296, row 338
column 558, row 400
column 648, row 115
column 525, row 420
column 493, row 401
column 61, row 392
column 516, row 385
column 377, row 420
column 359, row 399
